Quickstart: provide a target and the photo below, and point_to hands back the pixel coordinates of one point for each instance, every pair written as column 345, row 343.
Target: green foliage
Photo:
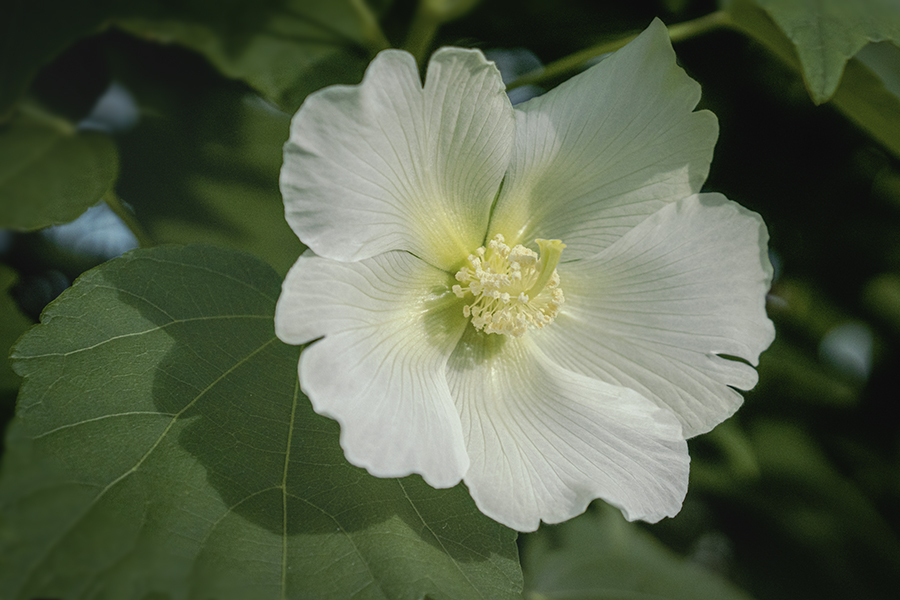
column 600, row 556
column 221, row 181
column 32, row 38
column 826, row 33
column 49, row 172
column 162, row 446
column 857, row 90
column 829, row 530
column 284, row 48
column 12, row 325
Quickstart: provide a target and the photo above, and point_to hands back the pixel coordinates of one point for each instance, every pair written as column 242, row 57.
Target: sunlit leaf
column 12, row 324
column 826, row 33
column 49, row 172
column 600, row 556
column 162, row 448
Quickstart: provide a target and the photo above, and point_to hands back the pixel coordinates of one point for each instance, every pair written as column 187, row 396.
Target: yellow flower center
column 513, row 288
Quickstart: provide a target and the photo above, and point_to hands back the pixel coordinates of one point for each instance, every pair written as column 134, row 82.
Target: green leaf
column 869, row 94
column 862, row 94
column 221, row 183
column 882, row 296
column 31, row 38
column 600, row 556
column 827, row 33
column 12, row 325
column 162, row 448
column 285, row 49
column 832, row 532
column 49, row 172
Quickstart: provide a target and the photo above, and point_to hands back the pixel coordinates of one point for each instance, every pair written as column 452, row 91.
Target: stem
column 678, row 32
column 375, row 39
column 424, row 27
column 118, row 207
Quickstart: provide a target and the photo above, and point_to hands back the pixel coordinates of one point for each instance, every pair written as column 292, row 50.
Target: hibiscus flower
column 534, row 300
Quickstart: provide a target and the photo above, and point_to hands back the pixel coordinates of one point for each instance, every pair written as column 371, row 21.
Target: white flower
column 450, row 348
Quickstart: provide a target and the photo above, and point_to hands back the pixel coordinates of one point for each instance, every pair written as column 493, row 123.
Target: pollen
column 511, row 289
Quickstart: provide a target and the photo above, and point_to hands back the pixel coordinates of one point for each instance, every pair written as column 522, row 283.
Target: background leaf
column 12, row 325
column 162, row 449
column 826, row 33
column 600, row 556
column 283, row 48
column 50, row 172
column 30, row 38
column 861, row 93
column 221, row 182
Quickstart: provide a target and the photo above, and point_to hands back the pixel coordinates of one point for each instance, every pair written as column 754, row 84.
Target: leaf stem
column 374, row 37
column 569, row 64
column 127, row 216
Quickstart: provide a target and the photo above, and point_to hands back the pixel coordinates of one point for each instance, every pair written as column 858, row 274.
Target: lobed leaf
column 162, row 448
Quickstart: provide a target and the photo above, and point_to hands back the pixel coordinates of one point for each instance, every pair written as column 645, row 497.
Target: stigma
column 511, row 289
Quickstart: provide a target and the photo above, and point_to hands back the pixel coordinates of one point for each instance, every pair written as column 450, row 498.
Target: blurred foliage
column 284, row 48
column 13, row 324
column 798, row 495
column 49, row 172
column 598, row 556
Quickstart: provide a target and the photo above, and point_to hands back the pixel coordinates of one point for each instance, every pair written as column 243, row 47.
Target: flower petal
column 543, row 441
column 606, row 149
column 388, row 165
column 653, row 311
column 389, row 325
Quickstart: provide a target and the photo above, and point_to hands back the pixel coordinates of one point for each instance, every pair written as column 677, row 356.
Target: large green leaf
column 600, row 556
column 12, row 324
column 162, row 449
column 49, row 172
column 283, row 48
column 827, row 33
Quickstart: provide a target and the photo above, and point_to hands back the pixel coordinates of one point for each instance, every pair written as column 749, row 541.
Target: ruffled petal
column 543, row 441
column 606, row 149
column 656, row 310
column 389, row 325
column 388, row 165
